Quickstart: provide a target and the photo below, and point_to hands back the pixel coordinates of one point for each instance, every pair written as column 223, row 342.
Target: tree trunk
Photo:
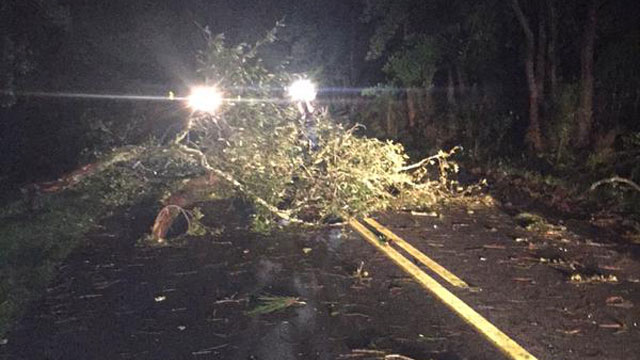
column 533, row 137
column 391, row 121
column 451, row 94
column 585, row 113
column 541, row 61
column 635, row 105
column 428, row 103
column 412, row 108
column 462, row 84
column 551, row 54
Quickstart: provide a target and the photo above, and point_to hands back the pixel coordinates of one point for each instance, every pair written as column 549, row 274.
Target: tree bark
column 541, row 61
column 533, row 136
column 585, row 113
column 451, row 94
column 412, row 109
column 391, row 120
column 551, row 54
column 428, row 103
column 462, row 83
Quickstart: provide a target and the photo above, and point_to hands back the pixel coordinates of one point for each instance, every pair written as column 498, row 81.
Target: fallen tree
column 257, row 146
column 260, row 147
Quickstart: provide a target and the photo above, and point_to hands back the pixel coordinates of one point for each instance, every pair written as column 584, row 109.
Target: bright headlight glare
column 302, row 90
column 205, row 98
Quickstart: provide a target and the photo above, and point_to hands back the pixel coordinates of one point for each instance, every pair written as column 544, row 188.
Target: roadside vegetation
column 39, row 230
column 527, row 122
column 257, row 150
column 443, row 87
column 299, row 171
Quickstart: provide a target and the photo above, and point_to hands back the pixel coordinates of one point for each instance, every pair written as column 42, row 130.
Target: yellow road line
column 447, row 275
column 499, row 339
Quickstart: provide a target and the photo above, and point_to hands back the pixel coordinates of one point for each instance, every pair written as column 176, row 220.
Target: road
column 115, row 300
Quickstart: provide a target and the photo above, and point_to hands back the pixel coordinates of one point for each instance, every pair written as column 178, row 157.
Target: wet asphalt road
column 114, row 300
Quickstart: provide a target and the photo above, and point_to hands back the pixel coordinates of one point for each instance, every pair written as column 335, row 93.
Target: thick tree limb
column 165, row 219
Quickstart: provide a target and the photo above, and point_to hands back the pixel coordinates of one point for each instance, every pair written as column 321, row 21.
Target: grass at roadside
column 37, row 234
column 32, row 244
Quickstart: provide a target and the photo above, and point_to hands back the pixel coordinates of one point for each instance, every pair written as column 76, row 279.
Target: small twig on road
column 397, row 357
column 377, row 354
column 231, row 299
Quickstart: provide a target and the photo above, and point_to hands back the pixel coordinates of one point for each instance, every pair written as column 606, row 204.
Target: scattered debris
column 456, row 226
column 494, row 247
column 598, row 278
column 361, row 275
column 396, row 357
column 429, row 214
column 610, row 267
column 597, row 244
column 271, row 304
column 359, row 353
column 105, row 284
column 373, row 354
column 619, row 301
column 209, row 350
column 617, row 326
column 89, row 296
column 231, row 299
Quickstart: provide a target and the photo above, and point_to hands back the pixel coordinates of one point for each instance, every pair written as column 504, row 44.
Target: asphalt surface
column 113, row 299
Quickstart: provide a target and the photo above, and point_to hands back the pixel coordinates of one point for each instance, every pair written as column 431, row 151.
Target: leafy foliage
column 293, row 167
column 414, row 65
column 271, row 304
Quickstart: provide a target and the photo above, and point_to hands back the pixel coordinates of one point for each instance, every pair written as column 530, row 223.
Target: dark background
column 466, row 86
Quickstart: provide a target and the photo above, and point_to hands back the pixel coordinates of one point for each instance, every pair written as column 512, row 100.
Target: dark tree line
column 140, row 47
column 548, row 78
column 558, row 78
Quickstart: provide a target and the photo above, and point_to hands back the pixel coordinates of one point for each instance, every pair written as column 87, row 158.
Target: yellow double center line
column 499, row 339
column 424, row 259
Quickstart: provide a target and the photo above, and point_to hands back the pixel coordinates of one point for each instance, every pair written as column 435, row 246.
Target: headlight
column 302, row 90
column 205, row 98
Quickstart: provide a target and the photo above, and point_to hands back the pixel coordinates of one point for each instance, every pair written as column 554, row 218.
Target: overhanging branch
column 615, row 179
